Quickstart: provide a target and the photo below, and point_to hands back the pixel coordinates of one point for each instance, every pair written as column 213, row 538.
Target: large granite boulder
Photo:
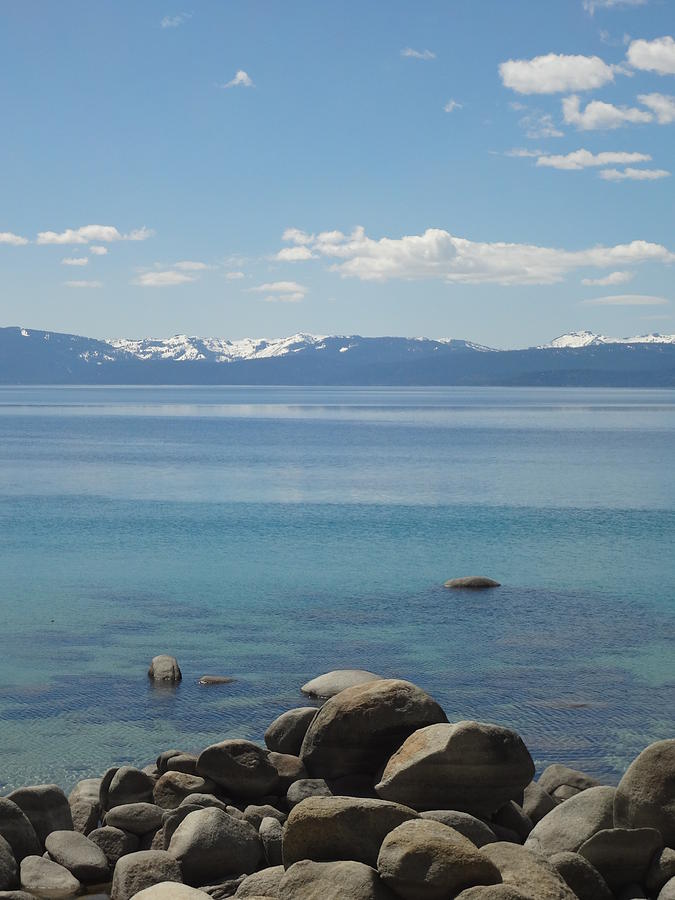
column 573, row 822
column 528, row 872
column 325, row 829
column 173, row 787
column 287, row 731
column 9, row 871
column 331, row 683
column 183, row 762
column 264, row 883
column 17, row 830
column 82, row 857
column 46, row 806
column 114, row 843
column 165, row 668
column 425, row 860
column 85, row 808
column 308, row 880
column 584, row 879
column 622, row 855
column 136, row 818
column 170, row 890
column 241, row 767
column 210, row 844
column 645, row 797
column 289, row 769
column 125, row 784
column 47, row 880
column 467, row 766
column 358, row 729
column 143, row 869
column 477, row 831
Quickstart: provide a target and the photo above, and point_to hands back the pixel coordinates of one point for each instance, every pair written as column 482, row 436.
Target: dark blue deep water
column 271, row 534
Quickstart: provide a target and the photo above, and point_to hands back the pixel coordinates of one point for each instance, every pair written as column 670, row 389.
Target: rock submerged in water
column 165, row 668
column 331, row 683
column 216, row 679
column 471, row 582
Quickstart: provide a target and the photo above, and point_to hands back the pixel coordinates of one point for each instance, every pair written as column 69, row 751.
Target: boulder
column 426, row 860
column 667, row 892
column 307, row 880
column 467, row 766
column 209, row 844
column 528, row 872
column 164, row 757
column 622, row 855
column 17, row 830
column 471, row 582
column 46, row 806
column 125, row 784
column 82, row 857
column 493, row 892
column 357, row 730
column 143, row 869
column 174, row 786
column 170, row 890
column 264, row 883
column 537, row 803
column 165, row 668
column 573, row 822
column 85, row 808
column 289, row 769
column 557, row 776
column 239, row 766
column 661, row 870
column 203, row 800
column 271, row 835
column 287, row 731
column 216, row 679
column 325, row 829
column 183, row 762
column 16, row 895
column 511, row 816
column 585, row 880
column 645, row 797
column 330, row 684
column 477, row 831
column 137, row 818
column 307, row 787
column 114, row 843
column 9, row 871
column 255, row 814
column 46, row 879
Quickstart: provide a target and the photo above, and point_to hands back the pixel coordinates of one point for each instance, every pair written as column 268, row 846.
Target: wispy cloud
column 452, row 105
column 608, row 280
column 555, row 73
column 98, row 251
column 75, row 261
column 234, row 276
column 653, row 56
column 627, row 300
column 410, row 53
column 630, row 174
column 83, row 284
column 167, row 278
column 662, row 105
column 15, row 240
column 241, row 79
column 591, row 5
column 538, row 125
column 87, row 233
column 175, row 21
column 281, row 291
column 583, row 159
column 189, row 265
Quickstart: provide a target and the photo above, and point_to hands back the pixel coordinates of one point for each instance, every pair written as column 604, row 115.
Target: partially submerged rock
column 216, row 679
column 165, row 668
column 331, row 683
column 471, row 582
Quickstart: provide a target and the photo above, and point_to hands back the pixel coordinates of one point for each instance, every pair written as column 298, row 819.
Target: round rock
column 17, row 830
column 47, row 879
column 137, row 818
column 264, row 883
column 82, row 857
column 645, row 797
column 125, row 784
column 622, row 855
column 287, row 731
column 85, row 808
column 137, row 871
column 239, row 766
column 585, row 880
column 331, row 683
column 46, row 806
column 573, row 822
column 114, row 843
column 477, row 831
column 528, row 872
column 307, row 880
column 173, row 787
column 170, row 890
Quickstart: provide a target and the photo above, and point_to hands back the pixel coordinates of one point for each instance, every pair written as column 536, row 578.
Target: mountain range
column 581, row 358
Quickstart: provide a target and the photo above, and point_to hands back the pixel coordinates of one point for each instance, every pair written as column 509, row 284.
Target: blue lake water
column 272, row 534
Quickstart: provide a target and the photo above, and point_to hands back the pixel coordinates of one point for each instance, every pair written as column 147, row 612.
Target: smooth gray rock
column 573, row 822
column 261, row 884
column 471, row 582
column 331, row 683
column 143, row 869
column 325, row 829
column 528, row 872
column 165, row 668
column 287, row 732
column 170, row 890
column 468, row 766
column 537, row 803
column 114, row 843
column 183, row 762
column 46, row 806
column 661, row 870
column 584, row 879
column 162, row 762
column 645, row 797
column 307, row 880
column 307, row 787
column 17, row 830
column 667, row 892
column 271, row 835
column 493, row 892
column 622, row 855
column 137, row 818
column 210, row 844
column 46, row 879
column 173, row 787
column 241, row 767
column 477, row 831
column 85, row 808
column 289, row 769
column 9, row 871
column 426, row 860
column 125, row 784
column 357, row 730
column 216, row 679
column 556, row 776
column 203, row 800
column 82, row 857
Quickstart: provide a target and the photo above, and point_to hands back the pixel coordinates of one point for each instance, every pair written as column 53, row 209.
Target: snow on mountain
column 181, row 348
column 576, row 339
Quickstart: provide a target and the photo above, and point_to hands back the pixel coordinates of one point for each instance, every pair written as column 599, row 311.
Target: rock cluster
column 374, row 796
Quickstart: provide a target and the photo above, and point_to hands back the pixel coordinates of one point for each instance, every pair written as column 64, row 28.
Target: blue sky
column 248, row 168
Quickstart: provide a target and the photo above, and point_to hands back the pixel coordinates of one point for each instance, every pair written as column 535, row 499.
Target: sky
column 496, row 171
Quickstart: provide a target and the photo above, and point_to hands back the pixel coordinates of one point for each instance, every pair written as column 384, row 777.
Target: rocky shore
column 372, row 796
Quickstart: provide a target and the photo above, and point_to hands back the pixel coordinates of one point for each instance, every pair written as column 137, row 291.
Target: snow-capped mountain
column 576, row 339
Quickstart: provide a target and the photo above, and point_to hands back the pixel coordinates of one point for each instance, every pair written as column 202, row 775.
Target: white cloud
column 15, row 240
column 607, row 280
column 582, row 159
column 630, row 174
column 87, row 233
column 241, row 79
column 162, row 279
column 627, row 300
column 452, row 105
column 538, row 125
column 417, row 54
column 591, row 5
column 440, row 255
column 281, row 291
column 234, row 276
column 188, row 265
column 98, row 251
column 175, row 21
column 523, row 153
column 601, row 115
column 285, row 298
column 83, row 284
column 653, row 56
column 662, row 105
column 555, row 72
column 296, row 236
column 294, row 254
column 75, row 261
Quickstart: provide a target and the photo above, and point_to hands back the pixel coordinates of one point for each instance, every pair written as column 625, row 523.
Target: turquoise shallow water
column 274, row 533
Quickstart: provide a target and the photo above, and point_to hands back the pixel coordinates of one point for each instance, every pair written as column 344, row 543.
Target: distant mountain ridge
column 581, row 358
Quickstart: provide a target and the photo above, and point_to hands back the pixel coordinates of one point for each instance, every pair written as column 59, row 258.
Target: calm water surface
column 271, row 534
